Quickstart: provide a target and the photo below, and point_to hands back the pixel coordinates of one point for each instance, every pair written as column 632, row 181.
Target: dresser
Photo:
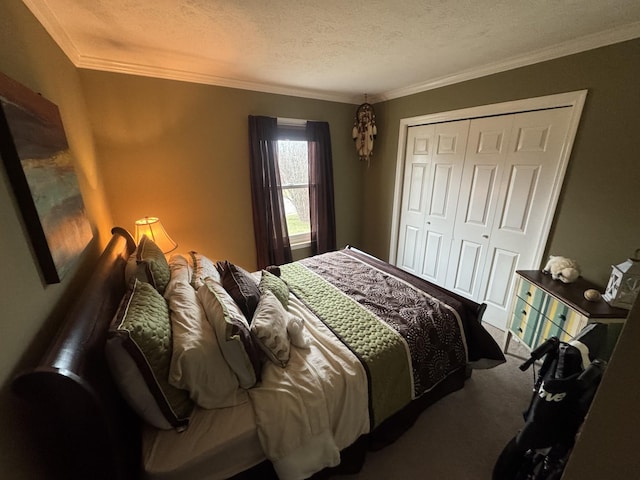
column 543, row 308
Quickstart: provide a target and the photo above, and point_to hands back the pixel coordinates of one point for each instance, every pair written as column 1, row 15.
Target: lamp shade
column 152, row 228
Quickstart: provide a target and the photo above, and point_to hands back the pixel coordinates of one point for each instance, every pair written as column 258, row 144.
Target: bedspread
column 309, row 411
column 381, row 350
column 379, row 339
column 407, row 339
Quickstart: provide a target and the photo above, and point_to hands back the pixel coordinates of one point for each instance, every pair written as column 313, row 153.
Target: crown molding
column 103, row 64
column 589, row 42
column 49, row 21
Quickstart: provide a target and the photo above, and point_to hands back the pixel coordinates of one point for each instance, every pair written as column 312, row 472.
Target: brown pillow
column 241, row 286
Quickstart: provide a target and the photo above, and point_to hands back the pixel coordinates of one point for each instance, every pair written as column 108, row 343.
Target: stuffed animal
column 295, row 329
column 562, row 268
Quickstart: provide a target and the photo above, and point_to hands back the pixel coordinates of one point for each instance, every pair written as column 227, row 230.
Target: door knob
column 485, row 236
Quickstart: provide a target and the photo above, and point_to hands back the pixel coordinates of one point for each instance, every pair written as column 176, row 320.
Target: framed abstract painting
column 40, row 168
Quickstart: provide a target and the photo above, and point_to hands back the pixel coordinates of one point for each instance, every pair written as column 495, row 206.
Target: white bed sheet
column 321, row 399
column 218, row 444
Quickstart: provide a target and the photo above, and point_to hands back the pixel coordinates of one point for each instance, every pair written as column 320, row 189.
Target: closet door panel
column 409, row 253
column 411, row 235
column 467, row 272
column 433, row 258
column 486, row 153
column 483, row 183
column 530, row 170
column 518, row 202
column 444, row 188
column 503, row 264
column 440, row 199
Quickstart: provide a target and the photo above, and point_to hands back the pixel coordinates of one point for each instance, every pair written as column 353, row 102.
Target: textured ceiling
column 331, row 49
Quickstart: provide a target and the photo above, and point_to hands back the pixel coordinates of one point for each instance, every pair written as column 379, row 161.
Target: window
column 307, row 174
column 293, row 163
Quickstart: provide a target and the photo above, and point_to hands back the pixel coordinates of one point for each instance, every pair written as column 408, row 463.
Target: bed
column 366, row 347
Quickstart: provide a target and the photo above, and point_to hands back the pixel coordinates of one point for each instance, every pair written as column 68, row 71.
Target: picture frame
column 41, row 171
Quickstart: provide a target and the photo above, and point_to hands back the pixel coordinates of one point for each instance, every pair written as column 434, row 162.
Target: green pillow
column 277, row 286
column 148, row 264
column 139, row 347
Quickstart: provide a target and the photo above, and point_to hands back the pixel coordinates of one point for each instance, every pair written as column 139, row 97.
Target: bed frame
column 84, row 425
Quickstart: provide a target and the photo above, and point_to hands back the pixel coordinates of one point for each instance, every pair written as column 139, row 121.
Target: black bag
column 566, row 384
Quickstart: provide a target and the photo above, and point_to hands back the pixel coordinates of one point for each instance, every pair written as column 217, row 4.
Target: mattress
column 218, row 444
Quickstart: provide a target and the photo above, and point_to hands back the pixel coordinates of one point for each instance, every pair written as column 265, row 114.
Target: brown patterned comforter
column 441, row 331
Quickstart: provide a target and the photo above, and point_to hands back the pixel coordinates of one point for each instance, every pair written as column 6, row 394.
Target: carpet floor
column 460, row 436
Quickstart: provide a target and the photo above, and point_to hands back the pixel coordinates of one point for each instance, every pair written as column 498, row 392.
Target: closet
column 477, row 198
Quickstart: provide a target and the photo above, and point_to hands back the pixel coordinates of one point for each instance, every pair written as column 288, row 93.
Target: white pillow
column 197, row 364
column 232, row 330
column 181, row 268
column 269, row 325
column 203, row 268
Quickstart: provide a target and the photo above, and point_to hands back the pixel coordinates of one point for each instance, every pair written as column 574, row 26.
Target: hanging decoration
column 364, row 130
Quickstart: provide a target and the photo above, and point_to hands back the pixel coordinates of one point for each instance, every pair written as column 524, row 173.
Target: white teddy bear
column 295, row 329
column 562, row 268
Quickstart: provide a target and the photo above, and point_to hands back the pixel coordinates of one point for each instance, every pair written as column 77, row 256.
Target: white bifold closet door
column 474, row 200
column 433, row 171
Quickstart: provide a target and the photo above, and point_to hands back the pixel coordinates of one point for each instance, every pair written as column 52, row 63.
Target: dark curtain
column 270, row 227
column 321, row 201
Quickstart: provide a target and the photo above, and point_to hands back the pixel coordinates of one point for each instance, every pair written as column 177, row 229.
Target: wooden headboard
column 89, row 431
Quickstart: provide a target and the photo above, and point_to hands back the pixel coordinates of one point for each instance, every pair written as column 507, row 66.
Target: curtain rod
column 294, row 122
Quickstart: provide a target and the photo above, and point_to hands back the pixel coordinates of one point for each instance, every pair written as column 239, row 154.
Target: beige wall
column 180, row 151
column 597, row 221
column 29, row 309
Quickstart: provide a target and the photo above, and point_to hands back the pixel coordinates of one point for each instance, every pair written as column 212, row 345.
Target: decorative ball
column 592, row 295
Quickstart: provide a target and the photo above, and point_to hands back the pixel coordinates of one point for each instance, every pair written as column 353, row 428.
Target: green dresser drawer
column 531, row 294
column 524, row 321
column 549, row 328
column 566, row 318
